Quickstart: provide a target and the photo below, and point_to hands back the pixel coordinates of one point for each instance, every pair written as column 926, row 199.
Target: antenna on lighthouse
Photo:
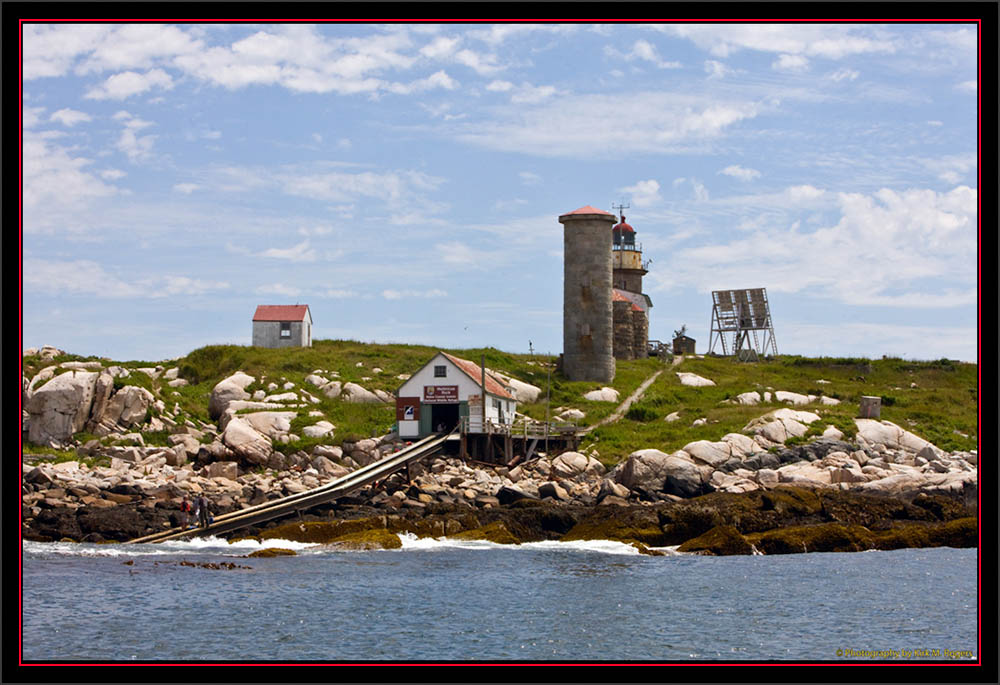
column 620, row 207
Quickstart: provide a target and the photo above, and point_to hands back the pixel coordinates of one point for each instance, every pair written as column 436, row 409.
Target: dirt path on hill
column 623, row 407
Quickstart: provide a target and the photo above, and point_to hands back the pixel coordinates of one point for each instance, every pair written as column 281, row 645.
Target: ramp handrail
column 303, row 500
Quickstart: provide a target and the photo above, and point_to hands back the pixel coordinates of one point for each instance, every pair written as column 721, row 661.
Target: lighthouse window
column 440, row 371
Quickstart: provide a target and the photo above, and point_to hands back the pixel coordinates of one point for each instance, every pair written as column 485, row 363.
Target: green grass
column 943, row 404
column 943, row 401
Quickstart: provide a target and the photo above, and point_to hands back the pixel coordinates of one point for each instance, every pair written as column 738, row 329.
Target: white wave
column 413, row 543
column 201, row 545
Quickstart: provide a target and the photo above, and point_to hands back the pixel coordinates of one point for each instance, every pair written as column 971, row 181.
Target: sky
column 405, row 180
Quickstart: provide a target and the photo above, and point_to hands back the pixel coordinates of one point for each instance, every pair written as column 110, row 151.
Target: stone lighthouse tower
column 587, row 311
column 631, row 305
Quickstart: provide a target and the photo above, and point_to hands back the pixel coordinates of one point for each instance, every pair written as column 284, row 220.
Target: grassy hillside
column 941, row 407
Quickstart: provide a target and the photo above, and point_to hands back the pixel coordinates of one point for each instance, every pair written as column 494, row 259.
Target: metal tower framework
column 736, row 316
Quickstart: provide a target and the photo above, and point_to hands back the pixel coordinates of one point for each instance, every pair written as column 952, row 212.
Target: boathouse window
column 286, row 330
column 440, row 371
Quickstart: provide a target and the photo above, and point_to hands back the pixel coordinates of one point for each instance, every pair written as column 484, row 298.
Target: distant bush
column 642, row 413
column 888, row 400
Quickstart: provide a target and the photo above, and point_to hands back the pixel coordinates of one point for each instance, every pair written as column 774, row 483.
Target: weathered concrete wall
column 640, row 332
column 626, row 279
column 624, row 336
column 268, row 334
column 587, row 312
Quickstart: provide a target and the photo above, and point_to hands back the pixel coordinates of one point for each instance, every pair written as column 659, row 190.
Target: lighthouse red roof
column 587, row 209
column 623, row 227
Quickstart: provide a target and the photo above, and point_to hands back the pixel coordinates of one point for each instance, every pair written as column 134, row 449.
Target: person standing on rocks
column 182, row 518
column 203, row 511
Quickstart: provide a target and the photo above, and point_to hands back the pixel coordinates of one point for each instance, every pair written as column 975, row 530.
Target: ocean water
column 477, row 601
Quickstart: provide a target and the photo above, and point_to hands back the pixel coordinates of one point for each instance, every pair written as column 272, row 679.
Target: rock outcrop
column 61, row 407
column 228, row 390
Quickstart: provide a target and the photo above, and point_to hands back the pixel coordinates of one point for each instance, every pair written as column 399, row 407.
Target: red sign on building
column 443, row 394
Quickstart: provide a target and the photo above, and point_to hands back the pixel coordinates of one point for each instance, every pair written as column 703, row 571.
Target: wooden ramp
column 341, row 487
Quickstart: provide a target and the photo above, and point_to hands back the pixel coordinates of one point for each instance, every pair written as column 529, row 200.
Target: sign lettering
column 440, row 394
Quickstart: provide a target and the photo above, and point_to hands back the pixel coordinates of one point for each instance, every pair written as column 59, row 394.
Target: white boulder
column 793, row 397
column 356, row 394
column 603, row 395
column 750, row 398
column 713, row 453
column 693, row 380
column 246, row 442
column 228, row 390
column 318, row 429
column 61, row 407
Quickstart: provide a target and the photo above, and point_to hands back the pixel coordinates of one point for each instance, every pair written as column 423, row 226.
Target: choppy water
column 476, row 601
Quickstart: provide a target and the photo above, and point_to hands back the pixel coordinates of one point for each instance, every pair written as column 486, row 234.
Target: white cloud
column 182, row 285
column 51, row 49
column 736, row 171
column 406, row 294
column 498, row 34
column 716, row 69
column 138, row 46
column 135, row 147
column 88, row 278
column 315, row 230
column 69, row 117
column 967, row 86
column 438, row 79
column 527, row 93
column 278, row 289
column 872, row 340
column 440, row 47
column 186, row 188
column 794, row 63
column 804, row 193
column 129, row 83
column 886, row 248
column 339, row 294
column 499, row 86
column 952, row 168
column 587, row 125
column 297, row 253
column 645, row 51
column 844, row 74
column 644, row 193
column 700, row 191
column 461, row 254
column 54, row 179
column 484, row 65
column 113, row 174
column 529, row 178
column 31, row 116
column 828, row 41
column 78, row 277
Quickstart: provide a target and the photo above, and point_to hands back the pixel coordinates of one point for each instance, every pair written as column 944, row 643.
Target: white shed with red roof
column 447, row 390
column 282, row 325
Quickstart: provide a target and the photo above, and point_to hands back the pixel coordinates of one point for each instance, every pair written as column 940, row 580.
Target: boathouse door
column 443, row 415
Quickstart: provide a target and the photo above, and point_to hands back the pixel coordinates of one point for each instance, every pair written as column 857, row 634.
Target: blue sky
column 405, row 181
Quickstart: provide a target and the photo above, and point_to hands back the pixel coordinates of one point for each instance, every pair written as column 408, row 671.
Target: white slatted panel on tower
column 736, row 314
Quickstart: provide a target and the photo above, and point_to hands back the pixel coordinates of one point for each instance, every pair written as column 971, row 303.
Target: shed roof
column 638, row 299
column 475, row 372
column 281, row 312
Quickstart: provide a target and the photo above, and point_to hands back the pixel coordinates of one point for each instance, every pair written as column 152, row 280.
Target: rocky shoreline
column 448, row 497
column 851, row 493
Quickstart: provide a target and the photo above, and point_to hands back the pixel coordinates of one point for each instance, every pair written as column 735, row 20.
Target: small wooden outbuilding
column 282, row 325
column 683, row 345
